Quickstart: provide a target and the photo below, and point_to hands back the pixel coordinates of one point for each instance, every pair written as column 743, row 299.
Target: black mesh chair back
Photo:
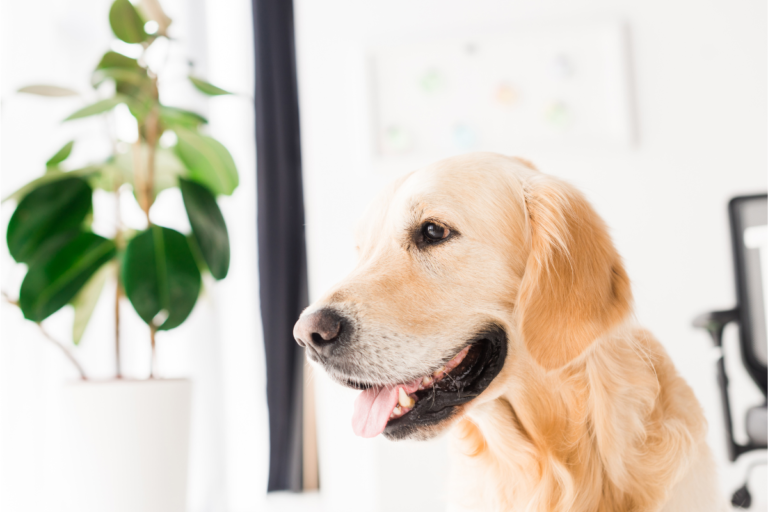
column 749, row 237
column 750, row 255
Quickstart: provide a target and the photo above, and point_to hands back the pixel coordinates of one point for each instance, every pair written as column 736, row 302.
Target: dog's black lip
column 354, row 384
column 363, row 385
column 468, row 380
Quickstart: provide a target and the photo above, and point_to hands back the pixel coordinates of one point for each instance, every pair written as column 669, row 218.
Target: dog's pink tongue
column 373, row 407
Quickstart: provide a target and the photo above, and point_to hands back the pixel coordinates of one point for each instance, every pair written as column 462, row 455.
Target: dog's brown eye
column 433, row 233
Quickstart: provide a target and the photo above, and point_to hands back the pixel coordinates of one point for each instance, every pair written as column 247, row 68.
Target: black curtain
column 282, row 260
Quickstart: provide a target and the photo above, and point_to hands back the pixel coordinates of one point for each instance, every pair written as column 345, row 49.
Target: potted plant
column 130, row 436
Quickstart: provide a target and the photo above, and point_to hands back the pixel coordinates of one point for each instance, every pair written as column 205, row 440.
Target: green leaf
column 61, row 154
column 152, row 10
column 126, row 22
column 85, row 301
column 53, row 244
column 133, row 86
column 208, row 226
column 52, row 283
column 201, row 264
column 109, row 176
column 97, row 108
column 47, row 211
column 117, row 60
column 168, row 167
column 176, row 117
column 52, row 175
column 137, row 76
column 160, row 275
column 206, row 88
column 140, row 108
column 208, row 161
column 49, row 90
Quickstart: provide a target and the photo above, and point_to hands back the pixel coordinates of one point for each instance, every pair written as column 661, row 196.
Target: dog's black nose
column 319, row 330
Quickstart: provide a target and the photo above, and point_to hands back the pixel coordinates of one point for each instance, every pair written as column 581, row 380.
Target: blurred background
column 656, row 110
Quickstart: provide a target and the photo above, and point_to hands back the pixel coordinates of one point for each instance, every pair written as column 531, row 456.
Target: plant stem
column 7, row 298
column 139, row 178
column 151, row 130
column 153, row 360
column 151, row 134
column 66, row 352
column 118, row 286
column 118, row 292
column 50, row 338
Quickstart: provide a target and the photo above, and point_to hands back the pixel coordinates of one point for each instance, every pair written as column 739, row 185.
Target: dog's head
column 463, row 266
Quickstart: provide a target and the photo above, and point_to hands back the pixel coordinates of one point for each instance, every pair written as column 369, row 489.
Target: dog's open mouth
column 399, row 410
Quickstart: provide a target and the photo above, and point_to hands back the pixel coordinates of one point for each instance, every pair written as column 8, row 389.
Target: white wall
column 699, row 86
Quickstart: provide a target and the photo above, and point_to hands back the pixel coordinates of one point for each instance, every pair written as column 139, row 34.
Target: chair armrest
column 716, row 320
column 757, row 419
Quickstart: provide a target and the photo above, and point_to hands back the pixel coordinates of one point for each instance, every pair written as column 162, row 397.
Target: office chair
column 749, row 236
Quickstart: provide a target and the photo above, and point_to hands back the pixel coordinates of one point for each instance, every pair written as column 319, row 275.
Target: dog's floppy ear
column 575, row 287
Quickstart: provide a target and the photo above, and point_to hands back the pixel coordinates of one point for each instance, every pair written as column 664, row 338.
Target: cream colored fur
column 588, row 413
column 615, row 430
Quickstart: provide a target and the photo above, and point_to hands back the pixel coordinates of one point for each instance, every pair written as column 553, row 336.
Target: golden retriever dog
column 489, row 300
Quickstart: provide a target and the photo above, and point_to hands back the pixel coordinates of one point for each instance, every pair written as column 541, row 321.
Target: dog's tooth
column 426, row 382
column 396, row 412
column 439, row 372
column 405, row 400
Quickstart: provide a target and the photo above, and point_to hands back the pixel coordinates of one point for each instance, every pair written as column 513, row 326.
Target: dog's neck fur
column 601, row 434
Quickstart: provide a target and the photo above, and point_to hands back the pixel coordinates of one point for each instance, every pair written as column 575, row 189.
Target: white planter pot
column 127, row 444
